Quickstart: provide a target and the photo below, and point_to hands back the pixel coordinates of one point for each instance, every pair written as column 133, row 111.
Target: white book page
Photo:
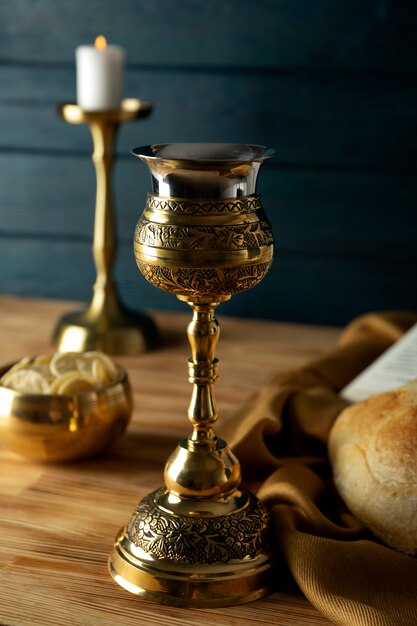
column 395, row 367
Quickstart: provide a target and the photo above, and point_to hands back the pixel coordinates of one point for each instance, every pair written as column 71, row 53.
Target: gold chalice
column 199, row 540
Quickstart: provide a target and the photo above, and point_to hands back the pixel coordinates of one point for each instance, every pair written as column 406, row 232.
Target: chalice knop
column 199, row 540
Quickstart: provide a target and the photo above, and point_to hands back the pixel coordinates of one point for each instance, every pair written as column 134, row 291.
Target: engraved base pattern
column 192, row 540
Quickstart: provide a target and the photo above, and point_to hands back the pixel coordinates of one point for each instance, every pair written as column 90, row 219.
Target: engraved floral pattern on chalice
column 199, row 540
column 205, row 281
column 239, row 237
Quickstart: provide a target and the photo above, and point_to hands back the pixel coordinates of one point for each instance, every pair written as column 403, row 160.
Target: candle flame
column 100, row 42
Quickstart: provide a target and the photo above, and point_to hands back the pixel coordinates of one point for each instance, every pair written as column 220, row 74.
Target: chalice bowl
column 199, row 540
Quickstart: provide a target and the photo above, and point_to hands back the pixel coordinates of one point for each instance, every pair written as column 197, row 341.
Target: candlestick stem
column 106, row 324
column 104, row 243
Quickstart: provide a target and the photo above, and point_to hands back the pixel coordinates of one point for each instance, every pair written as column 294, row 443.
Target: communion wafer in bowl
column 66, row 426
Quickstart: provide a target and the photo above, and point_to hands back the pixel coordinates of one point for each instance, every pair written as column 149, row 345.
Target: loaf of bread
column 373, row 452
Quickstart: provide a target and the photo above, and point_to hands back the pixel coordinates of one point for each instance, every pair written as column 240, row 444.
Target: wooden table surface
column 58, row 522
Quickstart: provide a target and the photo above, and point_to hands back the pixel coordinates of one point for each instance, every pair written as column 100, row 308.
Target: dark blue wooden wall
column 331, row 84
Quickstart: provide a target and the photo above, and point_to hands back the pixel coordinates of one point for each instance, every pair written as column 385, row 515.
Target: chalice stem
column 104, row 242
column 203, row 334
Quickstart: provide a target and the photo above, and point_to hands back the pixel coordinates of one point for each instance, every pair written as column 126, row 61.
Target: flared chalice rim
column 204, row 152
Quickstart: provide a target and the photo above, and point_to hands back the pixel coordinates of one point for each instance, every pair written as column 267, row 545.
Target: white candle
column 100, row 70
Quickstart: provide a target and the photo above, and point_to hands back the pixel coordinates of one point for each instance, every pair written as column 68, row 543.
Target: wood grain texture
column 269, row 33
column 58, row 522
column 349, row 121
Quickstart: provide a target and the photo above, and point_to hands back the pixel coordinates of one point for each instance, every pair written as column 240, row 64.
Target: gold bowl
column 44, row 427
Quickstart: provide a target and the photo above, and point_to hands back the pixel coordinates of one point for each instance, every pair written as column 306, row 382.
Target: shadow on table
column 136, row 453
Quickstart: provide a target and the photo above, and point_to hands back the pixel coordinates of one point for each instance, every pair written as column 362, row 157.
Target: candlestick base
column 129, row 332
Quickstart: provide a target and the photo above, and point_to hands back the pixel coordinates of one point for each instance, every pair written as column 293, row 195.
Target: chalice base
column 127, row 332
column 174, row 559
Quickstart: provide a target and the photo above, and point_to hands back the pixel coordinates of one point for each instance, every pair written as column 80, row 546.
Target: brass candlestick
column 203, row 236
column 106, row 324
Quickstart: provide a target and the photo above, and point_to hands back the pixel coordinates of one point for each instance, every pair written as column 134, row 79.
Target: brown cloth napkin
column 280, row 439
